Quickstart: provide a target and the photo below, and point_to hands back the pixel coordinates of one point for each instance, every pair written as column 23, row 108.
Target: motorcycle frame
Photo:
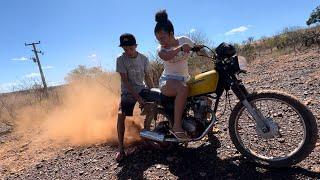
column 227, row 80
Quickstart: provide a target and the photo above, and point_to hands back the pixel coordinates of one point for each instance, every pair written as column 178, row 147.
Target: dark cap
column 127, row 40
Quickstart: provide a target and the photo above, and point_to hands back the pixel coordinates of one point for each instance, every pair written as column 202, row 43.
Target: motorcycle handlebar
column 196, row 48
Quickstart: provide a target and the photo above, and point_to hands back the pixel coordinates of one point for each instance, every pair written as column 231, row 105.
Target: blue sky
column 83, row 32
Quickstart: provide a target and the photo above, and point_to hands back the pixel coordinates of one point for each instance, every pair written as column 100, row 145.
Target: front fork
column 242, row 93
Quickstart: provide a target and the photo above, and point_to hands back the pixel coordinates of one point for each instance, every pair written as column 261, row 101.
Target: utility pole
column 37, row 60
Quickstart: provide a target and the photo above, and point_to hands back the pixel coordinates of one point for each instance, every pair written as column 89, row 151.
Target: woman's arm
column 168, row 55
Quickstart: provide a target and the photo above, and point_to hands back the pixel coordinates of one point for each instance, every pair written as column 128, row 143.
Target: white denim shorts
column 164, row 78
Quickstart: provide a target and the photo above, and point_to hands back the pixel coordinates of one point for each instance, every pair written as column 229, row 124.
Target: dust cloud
column 86, row 115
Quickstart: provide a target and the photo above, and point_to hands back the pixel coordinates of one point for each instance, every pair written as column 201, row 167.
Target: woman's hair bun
column 161, row 16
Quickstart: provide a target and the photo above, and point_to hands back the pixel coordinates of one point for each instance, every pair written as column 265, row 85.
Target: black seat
column 155, row 95
column 150, row 95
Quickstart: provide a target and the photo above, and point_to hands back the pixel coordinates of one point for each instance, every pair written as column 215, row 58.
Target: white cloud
column 10, row 86
column 32, row 75
column 92, row 56
column 48, row 67
column 95, row 59
column 237, row 30
column 55, row 83
column 193, row 30
column 20, row 59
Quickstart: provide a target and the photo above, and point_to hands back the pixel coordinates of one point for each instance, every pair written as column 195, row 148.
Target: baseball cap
column 127, row 39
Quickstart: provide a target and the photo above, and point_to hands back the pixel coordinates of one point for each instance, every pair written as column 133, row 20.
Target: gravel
column 298, row 75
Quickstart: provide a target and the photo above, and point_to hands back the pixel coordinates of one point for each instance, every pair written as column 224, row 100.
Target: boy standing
column 133, row 68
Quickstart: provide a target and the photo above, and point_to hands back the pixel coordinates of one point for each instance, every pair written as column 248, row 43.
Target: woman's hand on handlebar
column 197, row 47
column 186, row 48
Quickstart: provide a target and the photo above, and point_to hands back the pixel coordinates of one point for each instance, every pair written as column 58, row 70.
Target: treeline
column 289, row 40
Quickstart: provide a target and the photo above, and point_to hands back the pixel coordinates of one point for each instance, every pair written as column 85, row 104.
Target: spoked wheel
column 291, row 134
column 160, row 124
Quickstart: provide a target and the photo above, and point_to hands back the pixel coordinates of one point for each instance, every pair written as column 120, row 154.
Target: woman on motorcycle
column 174, row 51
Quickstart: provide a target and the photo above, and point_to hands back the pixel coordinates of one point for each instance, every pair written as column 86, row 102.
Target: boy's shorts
column 127, row 104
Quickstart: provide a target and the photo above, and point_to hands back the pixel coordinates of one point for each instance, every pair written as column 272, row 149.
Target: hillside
column 27, row 155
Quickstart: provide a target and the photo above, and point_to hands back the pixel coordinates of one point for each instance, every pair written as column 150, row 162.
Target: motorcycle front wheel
column 291, row 134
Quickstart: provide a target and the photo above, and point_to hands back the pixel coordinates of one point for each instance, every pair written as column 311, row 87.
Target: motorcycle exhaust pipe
column 152, row 135
column 159, row 137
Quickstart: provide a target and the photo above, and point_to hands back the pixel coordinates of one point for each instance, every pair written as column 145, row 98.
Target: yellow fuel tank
column 203, row 83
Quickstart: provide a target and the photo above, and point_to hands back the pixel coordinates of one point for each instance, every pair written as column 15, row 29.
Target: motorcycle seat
column 155, row 95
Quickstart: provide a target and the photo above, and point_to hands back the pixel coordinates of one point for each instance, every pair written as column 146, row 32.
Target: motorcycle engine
column 196, row 120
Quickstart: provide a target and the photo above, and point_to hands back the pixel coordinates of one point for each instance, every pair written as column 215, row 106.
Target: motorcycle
column 268, row 127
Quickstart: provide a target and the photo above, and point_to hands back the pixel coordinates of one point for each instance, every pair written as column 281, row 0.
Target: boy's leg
column 121, row 130
column 125, row 109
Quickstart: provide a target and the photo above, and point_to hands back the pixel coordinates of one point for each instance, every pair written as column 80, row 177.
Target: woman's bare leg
column 180, row 91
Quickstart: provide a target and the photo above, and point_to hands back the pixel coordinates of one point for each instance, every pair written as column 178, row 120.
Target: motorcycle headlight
column 242, row 63
column 238, row 64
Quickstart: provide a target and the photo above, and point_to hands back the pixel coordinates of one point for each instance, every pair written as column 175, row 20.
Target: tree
column 83, row 72
column 314, row 17
column 156, row 68
column 280, row 41
column 199, row 64
column 293, row 36
column 258, row 46
column 271, row 43
column 250, row 40
column 247, row 48
column 200, row 37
